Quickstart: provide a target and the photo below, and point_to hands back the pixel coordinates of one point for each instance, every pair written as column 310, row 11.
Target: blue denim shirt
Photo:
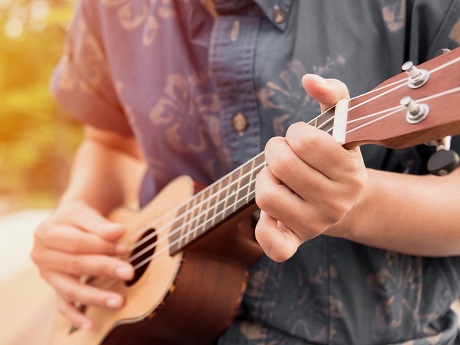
column 203, row 95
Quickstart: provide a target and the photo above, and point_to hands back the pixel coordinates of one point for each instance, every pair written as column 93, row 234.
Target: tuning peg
column 444, row 160
column 417, row 77
column 415, row 112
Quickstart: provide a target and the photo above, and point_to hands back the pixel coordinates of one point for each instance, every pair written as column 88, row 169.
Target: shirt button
column 278, row 15
column 235, row 30
column 240, row 123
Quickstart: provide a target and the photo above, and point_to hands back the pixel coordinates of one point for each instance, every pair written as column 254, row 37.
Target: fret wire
column 241, row 169
column 228, row 194
column 315, row 123
column 251, row 177
column 181, row 206
column 174, row 243
column 219, row 201
column 202, row 219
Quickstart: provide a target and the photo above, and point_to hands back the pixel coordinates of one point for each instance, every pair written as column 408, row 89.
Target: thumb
column 326, row 91
column 92, row 221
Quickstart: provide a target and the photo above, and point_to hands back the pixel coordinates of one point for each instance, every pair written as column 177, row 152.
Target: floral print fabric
column 176, row 78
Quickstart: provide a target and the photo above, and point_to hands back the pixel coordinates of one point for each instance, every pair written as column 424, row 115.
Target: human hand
column 77, row 241
column 310, row 184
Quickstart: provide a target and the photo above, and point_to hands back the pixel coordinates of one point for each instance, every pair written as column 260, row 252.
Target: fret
column 204, row 209
column 251, row 178
column 214, row 214
column 252, row 168
column 190, row 223
column 175, row 237
column 324, row 121
column 214, row 202
column 243, row 185
column 241, row 172
column 229, row 195
column 186, row 229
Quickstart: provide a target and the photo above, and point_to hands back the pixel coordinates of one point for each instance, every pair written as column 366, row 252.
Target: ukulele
column 191, row 257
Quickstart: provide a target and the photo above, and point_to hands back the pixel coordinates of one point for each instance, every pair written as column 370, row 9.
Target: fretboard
column 225, row 198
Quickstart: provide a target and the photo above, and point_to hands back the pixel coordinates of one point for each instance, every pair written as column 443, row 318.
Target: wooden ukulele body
column 187, row 298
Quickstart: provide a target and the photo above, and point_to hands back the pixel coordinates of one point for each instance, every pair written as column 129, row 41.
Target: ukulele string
column 399, row 108
column 402, row 82
column 188, row 211
column 395, row 109
column 196, row 196
column 398, row 83
column 98, row 280
column 203, row 213
column 193, row 219
column 389, row 112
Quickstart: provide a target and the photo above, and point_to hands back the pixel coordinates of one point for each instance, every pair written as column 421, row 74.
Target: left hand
column 310, row 184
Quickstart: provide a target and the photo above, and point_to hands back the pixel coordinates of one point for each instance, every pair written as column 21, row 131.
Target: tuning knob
column 417, row 77
column 444, row 160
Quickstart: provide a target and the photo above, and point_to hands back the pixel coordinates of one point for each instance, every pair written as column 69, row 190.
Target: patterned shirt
column 202, row 94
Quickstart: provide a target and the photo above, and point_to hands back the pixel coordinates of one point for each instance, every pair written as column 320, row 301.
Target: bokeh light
column 37, row 139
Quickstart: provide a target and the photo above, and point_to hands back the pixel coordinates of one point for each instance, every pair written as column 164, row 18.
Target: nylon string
column 166, row 226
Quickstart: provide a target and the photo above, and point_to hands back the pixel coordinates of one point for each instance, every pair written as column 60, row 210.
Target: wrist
column 362, row 210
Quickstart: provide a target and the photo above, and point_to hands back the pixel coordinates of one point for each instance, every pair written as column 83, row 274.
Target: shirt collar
column 277, row 11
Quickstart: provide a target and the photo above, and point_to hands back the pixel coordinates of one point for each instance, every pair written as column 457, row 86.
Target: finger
column 278, row 201
column 321, row 152
column 277, row 240
column 71, row 240
column 326, row 91
column 72, row 291
column 293, row 172
column 89, row 220
column 73, row 314
column 82, row 265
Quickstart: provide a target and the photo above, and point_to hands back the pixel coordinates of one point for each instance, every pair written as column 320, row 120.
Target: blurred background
column 37, row 141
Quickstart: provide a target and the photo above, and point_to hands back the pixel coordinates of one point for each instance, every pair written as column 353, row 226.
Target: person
column 361, row 243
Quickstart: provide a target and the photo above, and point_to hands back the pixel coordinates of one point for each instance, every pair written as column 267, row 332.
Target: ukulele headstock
column 388, row 114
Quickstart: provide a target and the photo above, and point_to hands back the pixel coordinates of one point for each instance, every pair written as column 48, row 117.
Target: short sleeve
column 81, row 82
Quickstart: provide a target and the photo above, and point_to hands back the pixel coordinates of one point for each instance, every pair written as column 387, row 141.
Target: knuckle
column 41, row 233
column 265, row 198
column 295, row 129
column 302, row 136
column 282, row 165
column 36, row 256
column 68, row 292
column 74, row 266
column 75, row 244
column 307, row 143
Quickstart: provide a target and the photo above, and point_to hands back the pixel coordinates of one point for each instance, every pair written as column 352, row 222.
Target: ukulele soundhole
column 142, row 255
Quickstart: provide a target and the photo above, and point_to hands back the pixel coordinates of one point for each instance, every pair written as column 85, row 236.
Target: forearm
column 104, row 176
column 417, row 215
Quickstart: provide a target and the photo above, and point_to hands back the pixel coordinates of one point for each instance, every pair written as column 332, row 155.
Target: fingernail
column 123, row 272
column 114, row 302
column 318, row 79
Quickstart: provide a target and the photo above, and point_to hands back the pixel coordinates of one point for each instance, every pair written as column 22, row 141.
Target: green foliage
column 37, row 140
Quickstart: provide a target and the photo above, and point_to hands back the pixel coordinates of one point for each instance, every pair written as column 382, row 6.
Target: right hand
column 78, row 241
